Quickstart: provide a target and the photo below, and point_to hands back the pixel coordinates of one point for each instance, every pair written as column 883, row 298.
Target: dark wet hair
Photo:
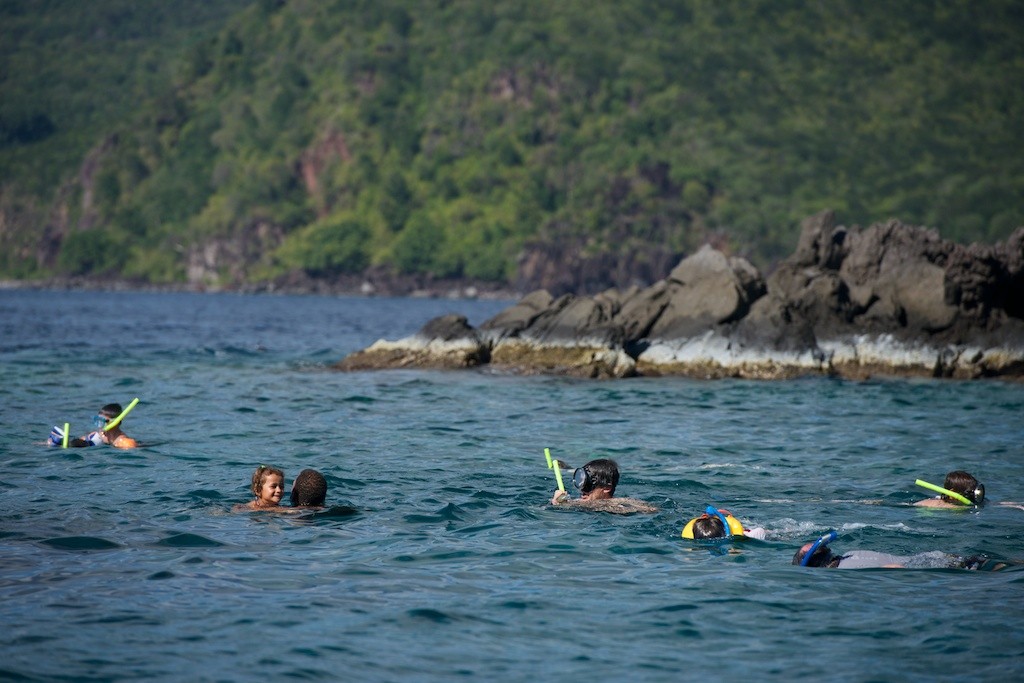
column 111, row 410
column 309, row 489
column 260, row 476
column 707, row 526
column 966, row 485
column 601, row 473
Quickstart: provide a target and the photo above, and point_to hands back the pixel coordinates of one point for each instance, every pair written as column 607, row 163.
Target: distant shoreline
column 456, row 290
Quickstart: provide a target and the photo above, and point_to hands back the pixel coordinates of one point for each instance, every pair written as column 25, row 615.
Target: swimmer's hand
column 559, row 497
column 56, row 436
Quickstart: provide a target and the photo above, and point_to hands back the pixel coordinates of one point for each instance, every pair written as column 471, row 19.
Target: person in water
column 596, row 482
column 309, row 490
column 101, row 436
column 960, row 482
column 719, row 523
column 819, row 554
column 267, row 489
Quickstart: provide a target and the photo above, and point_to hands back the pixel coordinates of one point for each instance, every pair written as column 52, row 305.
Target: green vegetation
column 139, row 137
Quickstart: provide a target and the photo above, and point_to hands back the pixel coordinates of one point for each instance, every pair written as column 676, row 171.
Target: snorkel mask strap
column 712, row 511
column 823, row 541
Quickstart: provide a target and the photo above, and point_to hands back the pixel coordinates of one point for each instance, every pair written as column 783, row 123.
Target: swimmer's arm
column 560, row 498
column 757, row 532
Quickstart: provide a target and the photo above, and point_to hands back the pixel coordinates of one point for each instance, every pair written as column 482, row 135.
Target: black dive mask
column 581, row 479
column 979, row 494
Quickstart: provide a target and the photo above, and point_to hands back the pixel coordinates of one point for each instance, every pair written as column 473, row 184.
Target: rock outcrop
column 891, row 299
column 445, row 343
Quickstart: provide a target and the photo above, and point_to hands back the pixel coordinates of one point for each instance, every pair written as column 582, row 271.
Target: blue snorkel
column 713, row 512
column 824, row 540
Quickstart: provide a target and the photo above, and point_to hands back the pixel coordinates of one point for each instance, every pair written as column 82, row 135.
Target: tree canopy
column 251, row 139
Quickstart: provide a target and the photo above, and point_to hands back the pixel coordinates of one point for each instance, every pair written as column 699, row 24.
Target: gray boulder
column 513, row 320
column 705, row 290
column 446, row 342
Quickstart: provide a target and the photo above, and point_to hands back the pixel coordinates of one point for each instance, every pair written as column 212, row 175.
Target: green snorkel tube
column 553, row 465
column 124, row 413
column 558, row 477
column 946, row 492
column 824, row 540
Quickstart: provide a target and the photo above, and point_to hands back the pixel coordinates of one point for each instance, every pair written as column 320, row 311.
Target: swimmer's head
column 106, row 414
column 822, row 557
column 817, row 554
column 597, row 474
column 309, row 489
column 111, row 410
column 714, row 523
column 259, row 477
column 708, row 526
column 966, row 485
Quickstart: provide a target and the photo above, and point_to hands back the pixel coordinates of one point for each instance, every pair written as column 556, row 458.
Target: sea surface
column 441, row 558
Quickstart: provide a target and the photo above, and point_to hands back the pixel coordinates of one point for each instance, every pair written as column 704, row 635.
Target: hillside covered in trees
column 516, row 142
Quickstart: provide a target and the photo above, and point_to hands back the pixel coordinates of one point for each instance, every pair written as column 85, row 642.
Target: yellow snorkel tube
column 553, row 465
column 733, row 526
column 946, row 492
column 124, row 413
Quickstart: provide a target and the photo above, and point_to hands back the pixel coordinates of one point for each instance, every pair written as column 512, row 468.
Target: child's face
column 272, row 490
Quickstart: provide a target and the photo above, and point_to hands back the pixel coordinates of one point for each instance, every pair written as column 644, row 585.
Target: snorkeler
column 960, row 489
column 309, row 490
column 719, row 523
column 596, row 482
column 818, row 554
column 108, row 430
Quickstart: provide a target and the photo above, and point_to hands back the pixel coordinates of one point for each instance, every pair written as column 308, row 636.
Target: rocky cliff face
column 891, row 299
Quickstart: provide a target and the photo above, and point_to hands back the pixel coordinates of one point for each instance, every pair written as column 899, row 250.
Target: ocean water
column 441, row 559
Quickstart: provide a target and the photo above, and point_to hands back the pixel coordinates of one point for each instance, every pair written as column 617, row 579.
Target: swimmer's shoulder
column 622, row 506
column 634, row 505
column 933, row 503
